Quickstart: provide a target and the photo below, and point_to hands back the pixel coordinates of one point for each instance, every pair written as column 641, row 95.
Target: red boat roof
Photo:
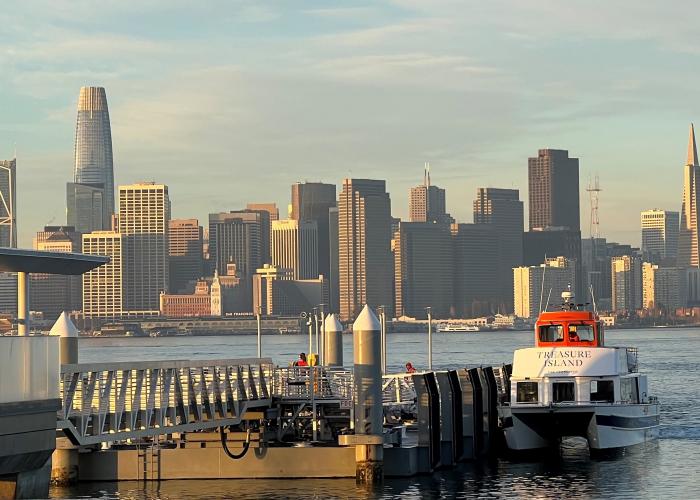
column 567, row 316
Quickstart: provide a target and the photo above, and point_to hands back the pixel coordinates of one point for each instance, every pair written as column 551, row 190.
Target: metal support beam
column 22, row 303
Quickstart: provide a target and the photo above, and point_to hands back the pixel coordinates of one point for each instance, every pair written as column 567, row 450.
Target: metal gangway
column 123, row 401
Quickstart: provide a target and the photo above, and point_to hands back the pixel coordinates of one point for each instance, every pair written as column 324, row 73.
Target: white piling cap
column 366, row 321
column 331, row 324
column 64, row 327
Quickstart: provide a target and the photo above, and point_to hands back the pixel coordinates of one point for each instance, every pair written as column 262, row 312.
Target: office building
column 196, row 304
column 503, row 209
column 93, row 167
column 626, row 272
column 475, row 261
column 426, row 203
column 312, row 202
column 270, row 208
column 103, row 287
column 144, row 216
column 275, row 293
column 662, row 288
column 539, row 288
column 239, row 237
column 540, row 244
column 8, row 203
column 423, row 269
column 689, row 237
column 185, row 254
column 554, row 190
column 295, row 246
column 660, row 236
column 364, row 247
column 334, row 276
column 51, row 294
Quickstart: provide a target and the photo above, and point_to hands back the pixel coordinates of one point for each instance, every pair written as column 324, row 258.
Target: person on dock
column 410, row 368
column 302, row 360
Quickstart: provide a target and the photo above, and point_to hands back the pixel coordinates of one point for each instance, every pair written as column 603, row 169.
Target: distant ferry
column 457, row 328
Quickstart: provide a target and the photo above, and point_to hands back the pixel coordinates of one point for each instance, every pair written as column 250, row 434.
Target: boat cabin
column 569, row 329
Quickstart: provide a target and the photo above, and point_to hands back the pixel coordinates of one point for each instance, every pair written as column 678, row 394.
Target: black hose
column 224, row 444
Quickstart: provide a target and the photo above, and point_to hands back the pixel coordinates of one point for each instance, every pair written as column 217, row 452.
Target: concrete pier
column 367, row 353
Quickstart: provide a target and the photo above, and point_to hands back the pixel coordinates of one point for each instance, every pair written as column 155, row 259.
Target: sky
column 229, row 102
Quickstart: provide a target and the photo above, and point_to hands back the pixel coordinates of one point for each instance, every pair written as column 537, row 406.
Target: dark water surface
column 669, row 468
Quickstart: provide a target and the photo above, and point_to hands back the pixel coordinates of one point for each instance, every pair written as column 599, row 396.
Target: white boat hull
column 605, row 427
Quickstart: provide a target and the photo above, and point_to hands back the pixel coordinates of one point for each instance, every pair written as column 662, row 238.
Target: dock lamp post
column 322, row 327
column 257, row 318
column 382, row 324
column 314, row 320
column 430, row 338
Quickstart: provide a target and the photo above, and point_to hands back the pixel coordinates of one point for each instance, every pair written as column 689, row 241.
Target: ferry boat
column 457, row 328
column 571, row 384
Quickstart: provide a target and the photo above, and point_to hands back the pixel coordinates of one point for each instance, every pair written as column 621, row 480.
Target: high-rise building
column 626, row 271
column 334, row 276
column 144, row 215
column 662, row 287
column 239, row 237
column 295, row 246
column 185, row 254
column 423, row 269
column 553, row 190
column 8, row 203
column 270, row 208
column 475, row 262
column 660, row 235
column 275, row 293
column 541, row 244
column 689, row 237
column 364, row 244
column 103, row 287
column 8, row 293
column 426, row 203
column 312, row 201
column 85, row 207
column 93, row 161
column 535, row 288
column 503, row 209
column 52, row 294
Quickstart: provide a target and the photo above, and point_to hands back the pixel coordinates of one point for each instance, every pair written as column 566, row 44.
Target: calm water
column 669, row 468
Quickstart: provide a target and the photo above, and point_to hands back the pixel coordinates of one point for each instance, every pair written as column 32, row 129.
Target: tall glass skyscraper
column 94, row 166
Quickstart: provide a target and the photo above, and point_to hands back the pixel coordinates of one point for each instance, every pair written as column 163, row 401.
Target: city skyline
column 485, row 90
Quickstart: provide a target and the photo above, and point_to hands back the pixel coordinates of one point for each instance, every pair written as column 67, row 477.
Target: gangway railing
column 313, row 382
column 122, row 401
column 398, row 390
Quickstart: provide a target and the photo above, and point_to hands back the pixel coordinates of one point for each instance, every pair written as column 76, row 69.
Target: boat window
column 551, row 333
column 563, row 392
column 628, row 390
column 527, row 392
column 581, row 333
column 602, row 391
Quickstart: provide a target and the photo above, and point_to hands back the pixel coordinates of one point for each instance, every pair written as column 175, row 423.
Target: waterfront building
column 626, row 273
column 51, row 294
column 103, row 287
column 662, row 288
column 8, row 203
column 689, row 237
column 660, row 235
column 295, row 246
column 198, row 303
column 275, row 293
column 144, row 216
column 184, row 254
column 364, row 247
column 93, row 165
column 312, row 202
column 475, row 263
column 426, row 203
column 537, row 287
column 554, row 190
column 503, row 209
column 423, row 269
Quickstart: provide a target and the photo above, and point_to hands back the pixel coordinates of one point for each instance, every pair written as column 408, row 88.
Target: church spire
column 692, row 148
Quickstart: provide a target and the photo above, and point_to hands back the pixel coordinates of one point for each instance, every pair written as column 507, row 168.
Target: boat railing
column 632, row 359
column 566, row 404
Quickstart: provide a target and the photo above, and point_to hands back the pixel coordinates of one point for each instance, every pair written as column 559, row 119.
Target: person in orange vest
column 302, row 360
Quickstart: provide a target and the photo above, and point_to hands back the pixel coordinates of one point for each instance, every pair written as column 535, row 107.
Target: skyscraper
column 426, row 203
column 662, row 287
column 364, row 244
column 295, row 246
column 103, row 287
column 185, row 254
column 240, row 237
column 626, row 272
column 144, row 215
column 270, row 208
column 85, row 207
column 503, row 209
column 553, row 190
column 8, row 203
column 534, row 286
column 93, row 160
column 423, row 269
column 311, row 201
column 660, row 235
column 689, row 237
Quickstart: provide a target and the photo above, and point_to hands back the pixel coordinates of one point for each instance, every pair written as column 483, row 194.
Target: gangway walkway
column 121, row 401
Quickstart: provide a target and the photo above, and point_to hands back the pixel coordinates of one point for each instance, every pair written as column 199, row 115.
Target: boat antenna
column 595, row 307
column 544, row 271
column 549, row 296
